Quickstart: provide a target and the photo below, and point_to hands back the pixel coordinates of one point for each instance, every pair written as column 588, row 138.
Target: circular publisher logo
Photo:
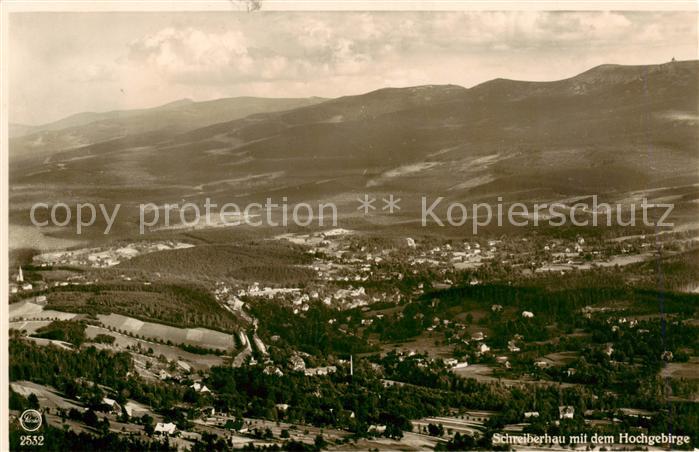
column 30, row 420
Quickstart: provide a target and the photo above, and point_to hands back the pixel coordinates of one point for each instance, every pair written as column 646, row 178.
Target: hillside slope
column 88, row 128
column 610, row 130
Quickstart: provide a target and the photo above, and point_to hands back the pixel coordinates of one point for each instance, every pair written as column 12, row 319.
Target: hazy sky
column 63, row 63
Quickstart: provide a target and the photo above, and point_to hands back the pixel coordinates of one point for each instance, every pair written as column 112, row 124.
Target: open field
column 48, row 397
column 484, row 373
column 30, row 326
column 425, row 343
column 28, row 310
column 194, row 336
column 409, row 442
column 172, row 353
column 688, row 370
column 562, row 358
column 471, row 424
column 201, row 337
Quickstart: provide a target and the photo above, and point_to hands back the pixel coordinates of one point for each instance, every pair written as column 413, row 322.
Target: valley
column 376, row 331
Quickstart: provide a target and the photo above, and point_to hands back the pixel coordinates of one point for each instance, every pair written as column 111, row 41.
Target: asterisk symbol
column 390, row 204
column 366, row 204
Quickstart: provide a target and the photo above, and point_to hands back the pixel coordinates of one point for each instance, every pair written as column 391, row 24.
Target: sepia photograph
column 268, row 225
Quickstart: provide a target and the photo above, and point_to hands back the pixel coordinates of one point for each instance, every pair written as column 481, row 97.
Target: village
column 369, row 293
column 344, row 266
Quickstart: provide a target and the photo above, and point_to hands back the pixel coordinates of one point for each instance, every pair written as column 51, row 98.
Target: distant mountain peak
column 620, row 72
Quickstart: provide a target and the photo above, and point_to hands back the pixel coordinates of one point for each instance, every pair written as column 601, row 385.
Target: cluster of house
column 19, row 284
column 105, row 256
column 455, row 363
column 480, row 347
column 131, row 408
column 182, row 369
column 564, row 412
column 344, row 297
column 200, row 388
column 339, row 258
column 317, row 371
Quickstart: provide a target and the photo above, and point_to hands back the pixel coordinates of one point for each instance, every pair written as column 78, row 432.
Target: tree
column 90, row 418
column 435, row 429
column 393, row 431
column 320, row 442
column 17, row 401
column 33, row 401
column 104, row 426
column 147, row 422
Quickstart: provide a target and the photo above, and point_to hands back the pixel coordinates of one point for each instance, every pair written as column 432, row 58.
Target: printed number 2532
column 31, row 440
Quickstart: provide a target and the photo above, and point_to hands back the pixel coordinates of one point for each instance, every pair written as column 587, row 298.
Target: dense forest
column 170, row 304
column 272, row 262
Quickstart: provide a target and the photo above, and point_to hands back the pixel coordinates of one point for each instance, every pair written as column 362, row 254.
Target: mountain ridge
column 589, row 134
column 91, row 128
column 86, row 117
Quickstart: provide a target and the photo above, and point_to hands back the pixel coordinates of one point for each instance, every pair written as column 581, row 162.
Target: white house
column 198, row 387
column 609, row 349
column 165, row 429
column 297, row 364
column 113, row 405
column 377, row 428
column 273, row 370
column 566, row 412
